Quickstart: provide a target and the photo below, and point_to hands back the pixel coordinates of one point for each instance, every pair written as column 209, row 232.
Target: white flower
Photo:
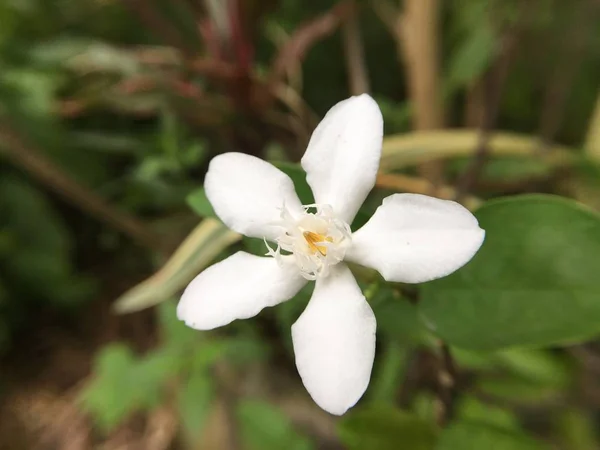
column 411, row 238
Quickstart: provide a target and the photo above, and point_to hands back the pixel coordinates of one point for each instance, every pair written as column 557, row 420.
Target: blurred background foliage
column 110, row 111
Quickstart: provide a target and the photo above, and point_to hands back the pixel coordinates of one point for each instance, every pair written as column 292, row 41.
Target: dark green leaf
column 298, row 176
column 385, row 428
column 124, row 383
column 194, row 400
column 200, row 204
column 264, row 427
column 533, row 283
column 478, row 436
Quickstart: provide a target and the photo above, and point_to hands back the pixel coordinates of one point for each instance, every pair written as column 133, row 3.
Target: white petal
column 248, row 193
column 238, row 287
column 413, row 238
column 334, row 342
column 342, row 157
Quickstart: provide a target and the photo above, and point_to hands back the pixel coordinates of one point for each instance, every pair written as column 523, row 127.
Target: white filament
column 313, row 260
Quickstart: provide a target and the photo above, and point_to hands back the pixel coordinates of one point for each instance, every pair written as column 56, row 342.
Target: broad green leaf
column 478, row 436
column 534, row 282
column 385, row 428
column 198, row 250
column 264, row 427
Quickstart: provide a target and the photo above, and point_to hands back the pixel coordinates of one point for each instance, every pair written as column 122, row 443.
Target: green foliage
column 194, row 400
column 125, row 383
column 477, row 436
column 36, row 256
column 137, row 128
column 199, row 203
column 264, row 427
column 385, row 428
column 533, row 283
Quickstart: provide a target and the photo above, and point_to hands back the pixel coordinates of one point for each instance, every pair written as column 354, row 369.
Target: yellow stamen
column 314, row 239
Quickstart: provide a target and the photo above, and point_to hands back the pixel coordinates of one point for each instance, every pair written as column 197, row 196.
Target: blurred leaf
column 397, row 319
column 298, row 176
column 174, row 331
column 388, row 373
column 472, row 410
column 533, row 283
column 246, row 350
column 518, row 390
column 509, row 168
column 477, row 436
column 383, row 428
column 288, row 312
column 396, row 116
column 472, row 57
column 264, row 427
column 107, row 142
column 541, row 366
column 200, row 204
column 577, row 430
column 592, row 140
column 83, row 55
column 29, row 213
column 194, row 401
column 198, row 250
column 124, row 384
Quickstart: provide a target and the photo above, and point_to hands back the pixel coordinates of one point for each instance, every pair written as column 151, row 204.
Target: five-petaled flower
column 411, row 238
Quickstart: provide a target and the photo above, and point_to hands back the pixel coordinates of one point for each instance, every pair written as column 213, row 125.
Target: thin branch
column 417, row 40
column 447, row 379
column 40, row 167
column 355, row 56
column 305, row 36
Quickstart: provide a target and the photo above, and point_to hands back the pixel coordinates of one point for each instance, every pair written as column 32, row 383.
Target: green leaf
column 388, row 372
column 194, row 400
column 533, row 283
column 384, row 428
column 199, row 203
column 473, row 410
column 472, row 57
column 478, row 436
column 124, row 383
column 519, row 391
column 264, row 427
column 397, row 319
column 577, row 430
column 298, row 176
column 174, row 331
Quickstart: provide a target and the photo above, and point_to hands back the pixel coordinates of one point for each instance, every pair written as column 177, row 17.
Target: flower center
column 317, row 239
